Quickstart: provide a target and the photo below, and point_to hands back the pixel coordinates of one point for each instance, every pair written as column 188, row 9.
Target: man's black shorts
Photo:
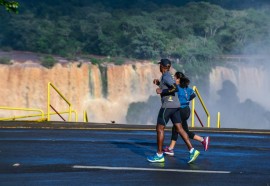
column 168, row 113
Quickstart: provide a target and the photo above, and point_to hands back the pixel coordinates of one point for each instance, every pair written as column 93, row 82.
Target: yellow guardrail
column 218, row 120
column 85, row 117
column 193, row 112
column 37, row 115
column 49, row 113
column 49, row 101
column 66, row 112
column 22, row 109
column 193, row 108
column 76, row 115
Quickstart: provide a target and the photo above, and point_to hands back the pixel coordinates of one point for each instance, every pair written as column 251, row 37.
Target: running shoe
column 205, row 142
column 156, row 159
column 168, row 151
column 193, row 156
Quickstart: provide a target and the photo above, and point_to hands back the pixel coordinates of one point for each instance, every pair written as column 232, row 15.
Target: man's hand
column 158, row 90
column 156, row 81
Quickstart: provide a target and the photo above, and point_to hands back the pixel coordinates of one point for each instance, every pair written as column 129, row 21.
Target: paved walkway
column 105, row 154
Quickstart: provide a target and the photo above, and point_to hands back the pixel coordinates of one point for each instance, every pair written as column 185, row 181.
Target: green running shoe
column 156, row 159
column 193, row 156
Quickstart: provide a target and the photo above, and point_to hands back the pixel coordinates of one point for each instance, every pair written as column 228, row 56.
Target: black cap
column 165, row 62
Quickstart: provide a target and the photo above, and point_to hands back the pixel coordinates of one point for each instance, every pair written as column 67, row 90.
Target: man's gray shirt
column 168, row 101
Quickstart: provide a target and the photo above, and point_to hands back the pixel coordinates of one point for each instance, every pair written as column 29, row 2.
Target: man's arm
column 170, row 91
column 170, row 83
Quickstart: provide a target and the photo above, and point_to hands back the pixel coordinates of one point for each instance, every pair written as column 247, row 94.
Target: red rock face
column 25, row 85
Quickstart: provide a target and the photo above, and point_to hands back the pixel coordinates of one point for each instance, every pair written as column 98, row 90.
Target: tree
column 11, row 6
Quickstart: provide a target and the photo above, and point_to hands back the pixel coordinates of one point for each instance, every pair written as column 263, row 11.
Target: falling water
column 241, row 92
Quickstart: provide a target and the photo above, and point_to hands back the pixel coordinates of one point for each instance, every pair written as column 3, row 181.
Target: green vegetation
column 11, row 6
column 5, row 61
column 119, row 61
column 95, row 61
column 193, row 34
column 48, row 61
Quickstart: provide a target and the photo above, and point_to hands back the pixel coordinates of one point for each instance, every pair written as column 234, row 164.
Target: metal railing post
column 48, row 103
column 193, row 113
column 85, row 118
column 203, row 105
column 218, row 120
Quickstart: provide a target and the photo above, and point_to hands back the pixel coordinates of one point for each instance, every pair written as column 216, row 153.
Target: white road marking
column 149, row 169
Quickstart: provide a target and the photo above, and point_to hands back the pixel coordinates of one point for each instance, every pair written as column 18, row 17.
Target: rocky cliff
column 105, row 95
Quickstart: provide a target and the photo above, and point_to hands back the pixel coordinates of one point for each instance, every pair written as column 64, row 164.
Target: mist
column 239, row 86
column 238, row 90
column 242, row 97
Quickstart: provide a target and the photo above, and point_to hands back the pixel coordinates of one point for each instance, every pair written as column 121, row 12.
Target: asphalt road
column 106, row 156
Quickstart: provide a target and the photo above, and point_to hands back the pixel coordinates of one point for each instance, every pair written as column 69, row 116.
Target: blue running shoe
column 193, row 156
column 156, row 159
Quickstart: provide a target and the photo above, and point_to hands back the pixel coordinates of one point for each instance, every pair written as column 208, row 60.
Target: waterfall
column 252, row 82
column 241, row 92
column 125, row 84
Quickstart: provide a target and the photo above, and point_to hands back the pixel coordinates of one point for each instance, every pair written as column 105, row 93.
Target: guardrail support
column 49, row 101
column 85, row 118
column 218, row 120
column 193, row 108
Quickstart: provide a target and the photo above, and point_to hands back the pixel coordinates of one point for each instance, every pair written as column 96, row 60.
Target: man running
column 170, row 109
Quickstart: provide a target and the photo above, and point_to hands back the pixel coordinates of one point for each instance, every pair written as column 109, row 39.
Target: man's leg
column 158, row 157
column 160, row 137
column 161, row 122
